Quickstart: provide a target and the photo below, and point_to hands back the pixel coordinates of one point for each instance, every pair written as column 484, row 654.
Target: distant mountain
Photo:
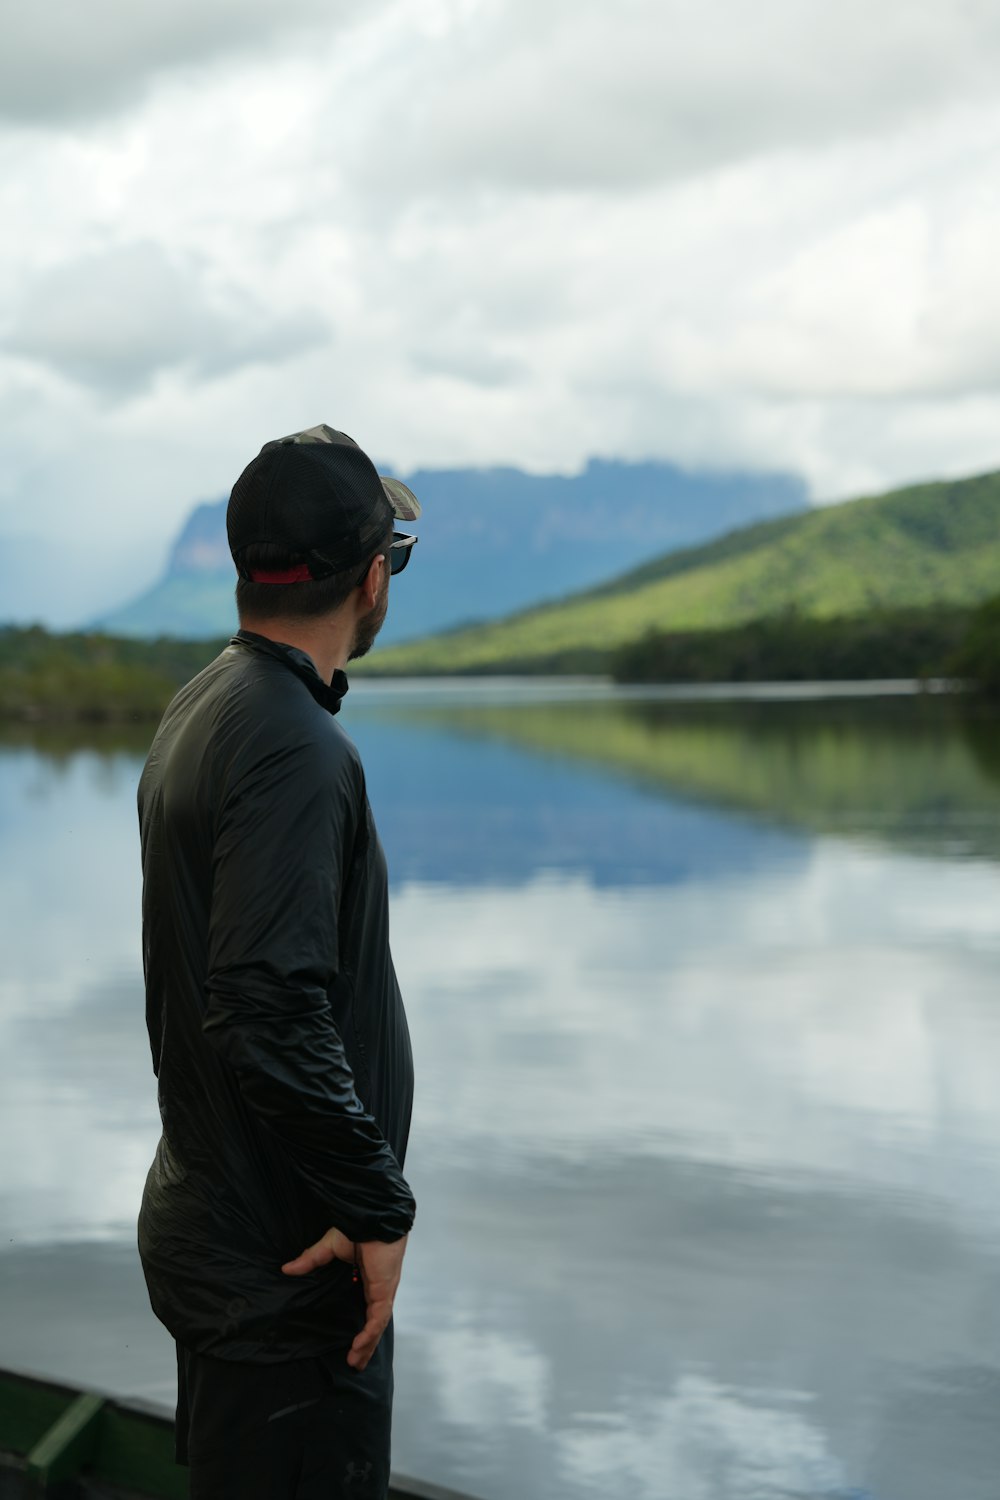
column 927, row 544
column 492, row 541
column 194, row 598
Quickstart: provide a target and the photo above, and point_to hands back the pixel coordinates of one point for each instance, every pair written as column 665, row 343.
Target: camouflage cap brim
column 405, row 505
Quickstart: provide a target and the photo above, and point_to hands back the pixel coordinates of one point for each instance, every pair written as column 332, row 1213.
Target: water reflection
column 469, row 813
column 79, row 1116
column 919, row 771
column 787, row 1022
column 706, row 1136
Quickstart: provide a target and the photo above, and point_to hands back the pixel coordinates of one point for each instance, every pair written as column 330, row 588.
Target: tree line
column 50, row 677
column 942, row 641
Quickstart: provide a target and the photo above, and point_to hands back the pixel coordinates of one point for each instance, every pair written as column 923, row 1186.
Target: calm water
column 707, row 1137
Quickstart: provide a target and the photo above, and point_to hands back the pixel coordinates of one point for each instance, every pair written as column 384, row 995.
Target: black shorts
column 308, row 1429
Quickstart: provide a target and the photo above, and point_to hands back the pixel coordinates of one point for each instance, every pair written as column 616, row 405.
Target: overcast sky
column 483, row 231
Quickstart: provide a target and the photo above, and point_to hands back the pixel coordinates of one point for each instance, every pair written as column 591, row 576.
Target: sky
column 472, row 232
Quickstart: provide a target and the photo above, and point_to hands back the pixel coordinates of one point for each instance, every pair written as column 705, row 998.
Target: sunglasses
column 400, row 547
column 399, row 552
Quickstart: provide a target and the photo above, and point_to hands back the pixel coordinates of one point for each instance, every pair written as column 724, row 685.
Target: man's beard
column 368, row 627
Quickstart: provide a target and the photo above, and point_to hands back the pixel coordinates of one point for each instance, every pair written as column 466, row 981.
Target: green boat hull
column 63, row 1443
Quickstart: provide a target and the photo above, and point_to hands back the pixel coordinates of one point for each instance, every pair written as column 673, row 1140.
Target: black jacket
column 275, row 1021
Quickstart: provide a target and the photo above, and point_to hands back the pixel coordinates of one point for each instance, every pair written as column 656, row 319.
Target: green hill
column 925, row 545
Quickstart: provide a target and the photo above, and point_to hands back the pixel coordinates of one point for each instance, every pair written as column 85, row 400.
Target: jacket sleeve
column 283, row 842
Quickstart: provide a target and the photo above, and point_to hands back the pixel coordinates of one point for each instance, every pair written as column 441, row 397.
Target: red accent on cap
column 299, row 574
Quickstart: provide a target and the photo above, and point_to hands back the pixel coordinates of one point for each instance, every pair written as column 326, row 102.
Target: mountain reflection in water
column 707, row 1137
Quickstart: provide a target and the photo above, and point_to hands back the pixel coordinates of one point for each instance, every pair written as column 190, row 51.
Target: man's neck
column 326, row 641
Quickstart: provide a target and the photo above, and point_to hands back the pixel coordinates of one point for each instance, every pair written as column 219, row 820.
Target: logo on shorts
column 235, row 1309
column 358, row 1473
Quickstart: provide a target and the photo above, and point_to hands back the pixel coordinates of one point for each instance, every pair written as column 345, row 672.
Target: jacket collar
column 329, row 694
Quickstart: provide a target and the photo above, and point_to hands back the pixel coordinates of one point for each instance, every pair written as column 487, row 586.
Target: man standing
column 275, row 1214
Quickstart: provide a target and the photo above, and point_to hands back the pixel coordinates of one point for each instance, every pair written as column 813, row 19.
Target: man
column 275, row 1214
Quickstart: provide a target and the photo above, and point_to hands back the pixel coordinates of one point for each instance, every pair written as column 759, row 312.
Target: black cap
column 317, row 496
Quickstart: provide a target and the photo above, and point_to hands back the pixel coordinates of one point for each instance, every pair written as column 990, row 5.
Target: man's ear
column 371, row 584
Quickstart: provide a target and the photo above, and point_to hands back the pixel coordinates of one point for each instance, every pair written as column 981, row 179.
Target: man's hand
column 333, row 1246
column 380, row 1266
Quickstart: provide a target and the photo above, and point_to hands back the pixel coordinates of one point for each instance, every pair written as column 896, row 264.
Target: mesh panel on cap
column 310, row 498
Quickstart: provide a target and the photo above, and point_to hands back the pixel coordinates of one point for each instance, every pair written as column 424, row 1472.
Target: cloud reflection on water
column 788, row 1024
column 704, row 1440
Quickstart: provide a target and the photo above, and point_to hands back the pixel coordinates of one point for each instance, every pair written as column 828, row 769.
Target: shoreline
column 514, row 689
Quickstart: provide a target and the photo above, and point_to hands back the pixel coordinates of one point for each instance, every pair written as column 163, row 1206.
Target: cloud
column 67, row 61
column 576, row 94
column 114, row 320
column 721, row 236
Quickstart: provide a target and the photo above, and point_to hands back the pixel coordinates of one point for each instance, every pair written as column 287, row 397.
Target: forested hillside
column 927, row 545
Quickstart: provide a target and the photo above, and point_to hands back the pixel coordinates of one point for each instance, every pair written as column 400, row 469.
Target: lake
column 706, row 1143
